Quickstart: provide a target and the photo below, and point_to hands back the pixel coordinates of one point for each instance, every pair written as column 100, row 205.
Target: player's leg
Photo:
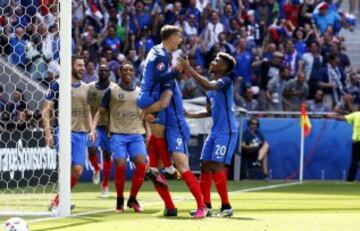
column 159, row 181
column 158, row 131
column 94, row 160
column 93, row 151
column 206, row 171
column 78, row 156
column 118, row 149
column 107, row 162
column 223, row 153
column 182, row 164
column 177, row 141
column 205, row 182
column 137, row 151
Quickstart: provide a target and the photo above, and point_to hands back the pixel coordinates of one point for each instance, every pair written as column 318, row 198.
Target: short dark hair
column 313, row 42
column 125, row 63
column 230, row 61
column 75, row 57
column 168, row 30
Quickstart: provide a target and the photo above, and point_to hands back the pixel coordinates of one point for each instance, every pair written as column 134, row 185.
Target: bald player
column 96, row 94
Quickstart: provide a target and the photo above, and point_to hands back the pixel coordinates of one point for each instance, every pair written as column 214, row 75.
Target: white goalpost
column 31, row 173
column 65, row 109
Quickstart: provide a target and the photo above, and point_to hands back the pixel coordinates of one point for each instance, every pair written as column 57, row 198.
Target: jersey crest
column 160, row 66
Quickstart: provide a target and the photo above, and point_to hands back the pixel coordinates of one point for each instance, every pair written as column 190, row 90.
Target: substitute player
column 80, row 122
column 220, row 144
column 126, row 128
column 96, row 94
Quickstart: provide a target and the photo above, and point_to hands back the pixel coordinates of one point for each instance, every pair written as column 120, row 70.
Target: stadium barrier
column 327, row 150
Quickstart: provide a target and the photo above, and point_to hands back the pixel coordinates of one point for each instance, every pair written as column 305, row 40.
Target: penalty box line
column 175, row 200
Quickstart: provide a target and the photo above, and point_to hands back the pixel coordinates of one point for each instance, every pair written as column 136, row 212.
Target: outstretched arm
column 161, row 104
column 204, row 82
column 335, row 116
column 199, row 114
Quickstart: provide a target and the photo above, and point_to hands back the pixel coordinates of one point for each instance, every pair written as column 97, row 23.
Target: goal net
column 29, row 62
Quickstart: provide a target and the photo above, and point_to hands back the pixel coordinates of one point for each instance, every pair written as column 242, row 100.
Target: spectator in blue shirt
column 18, row 47
column 192, row 10
column 140, row 18
column 112, row 41
column 325, row 18
column 243, row 62
column 227, row 16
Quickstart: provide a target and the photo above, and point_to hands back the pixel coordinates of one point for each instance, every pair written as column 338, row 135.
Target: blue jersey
column 156, row 70
column 177, row 129
column 175, row 114
column 53, row 95
column 221, row 102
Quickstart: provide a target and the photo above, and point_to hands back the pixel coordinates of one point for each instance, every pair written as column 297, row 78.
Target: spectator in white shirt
column 213, row 29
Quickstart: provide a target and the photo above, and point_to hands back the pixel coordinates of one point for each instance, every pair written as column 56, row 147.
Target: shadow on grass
column 84, row 220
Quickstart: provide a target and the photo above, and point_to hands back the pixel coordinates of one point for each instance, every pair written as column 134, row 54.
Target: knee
column 107, row 155
column 92, row 151
column 205, row 166
column 218, row 167
column 182, row 167
column 139, row 159
column 77, row 171
column 119, row 162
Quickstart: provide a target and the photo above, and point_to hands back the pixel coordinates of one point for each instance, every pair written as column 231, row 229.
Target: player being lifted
column 80, row 121
column 96, row 94
column 126, row 128
column 156, row 71
column 221, row 142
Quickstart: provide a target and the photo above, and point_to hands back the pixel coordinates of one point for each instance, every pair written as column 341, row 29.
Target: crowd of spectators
column 287, row 51
column 29, row 39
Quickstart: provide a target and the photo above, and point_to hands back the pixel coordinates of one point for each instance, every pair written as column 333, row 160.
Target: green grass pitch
column 309, row 206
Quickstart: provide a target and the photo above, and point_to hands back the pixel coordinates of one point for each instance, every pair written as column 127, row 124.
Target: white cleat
column 104, row 192
column 96, row 177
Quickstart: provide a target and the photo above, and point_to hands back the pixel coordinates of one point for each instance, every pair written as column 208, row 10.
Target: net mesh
column 29, row 62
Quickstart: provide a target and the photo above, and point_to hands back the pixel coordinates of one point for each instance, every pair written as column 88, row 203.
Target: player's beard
column 77, row 75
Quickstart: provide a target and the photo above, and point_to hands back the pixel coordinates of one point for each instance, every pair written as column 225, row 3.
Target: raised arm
column 204, row 82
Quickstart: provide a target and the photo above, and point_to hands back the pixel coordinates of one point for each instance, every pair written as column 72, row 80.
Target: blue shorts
column 178, row 139
column 127, row 144
column 219, row 147
column 144, row 101
column 79, row 141
column 102, row 140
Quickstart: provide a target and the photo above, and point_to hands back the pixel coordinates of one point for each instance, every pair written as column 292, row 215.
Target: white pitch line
column 160, row 202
